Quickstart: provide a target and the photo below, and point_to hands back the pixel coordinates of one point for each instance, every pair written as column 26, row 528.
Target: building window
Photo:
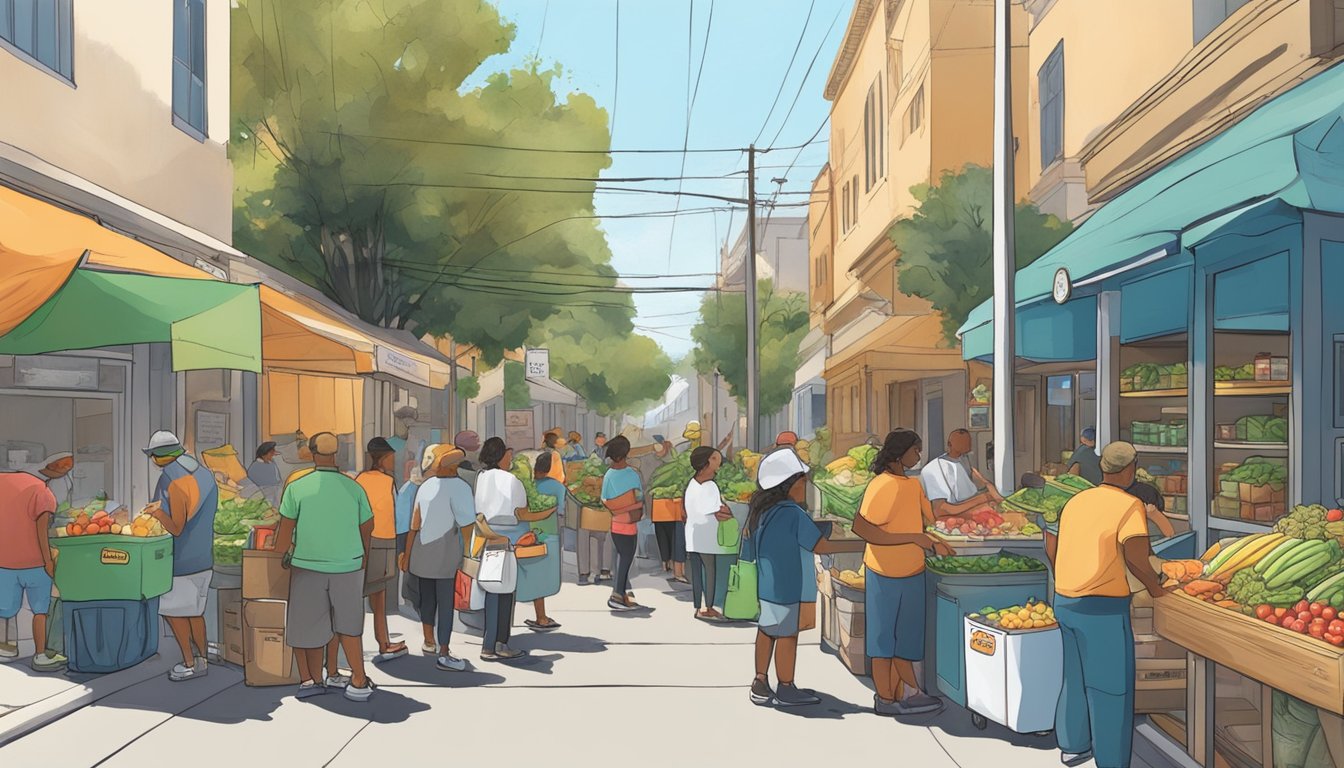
column 845, row 215
column 853, row 409
column 914, row 114
column 189, row 66
column 854, row 202
column 41, row 31
column 1209, row 14
column 874, row 137
column 1051, row 82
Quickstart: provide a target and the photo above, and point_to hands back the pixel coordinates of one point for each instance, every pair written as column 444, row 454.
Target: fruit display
column 985, row 523
column 1000, row 563
column 856, row 579
column 103, row 523
column 1316, row 619
column 587, row 487
column 536, row 502
column 1035, row 614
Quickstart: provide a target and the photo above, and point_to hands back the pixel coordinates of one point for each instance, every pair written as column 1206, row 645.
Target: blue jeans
column 498, row 620
column 1096, row 706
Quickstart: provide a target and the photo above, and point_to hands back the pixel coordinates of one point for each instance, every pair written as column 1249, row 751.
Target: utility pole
column 753, row 354
column 453, row 420
column 1005, row 258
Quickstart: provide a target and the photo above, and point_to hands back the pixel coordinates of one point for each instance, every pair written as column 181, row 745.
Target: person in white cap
column 777, row 527
column 187, row 498
column 26, row 564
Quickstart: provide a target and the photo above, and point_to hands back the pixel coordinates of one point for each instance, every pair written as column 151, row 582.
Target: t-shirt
column 783, row 534
column 1089, row 464
column 499, row 496
column 382, row 493
column 446, row 507
column 617, row 482
column 1090, row 560
column 327, row 509
column 948, row 479
column 405, row 506
column 895, row 504
column 557, row 472
column 23, row 499
column 703, row 501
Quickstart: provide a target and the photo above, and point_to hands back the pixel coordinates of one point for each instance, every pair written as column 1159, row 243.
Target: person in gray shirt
column 1085, row 462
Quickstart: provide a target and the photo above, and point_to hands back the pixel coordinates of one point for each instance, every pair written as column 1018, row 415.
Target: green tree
column 946, row 246
column 468, row 387
column 615, row 373
column 363, row 167
column 721, row 342
column 517, row 396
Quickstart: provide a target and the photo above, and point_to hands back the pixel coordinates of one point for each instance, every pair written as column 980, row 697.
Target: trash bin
column 1013, row 677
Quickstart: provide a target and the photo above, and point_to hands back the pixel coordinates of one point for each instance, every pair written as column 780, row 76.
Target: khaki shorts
column 186, row 598
column 322, row 605
column 381, row 568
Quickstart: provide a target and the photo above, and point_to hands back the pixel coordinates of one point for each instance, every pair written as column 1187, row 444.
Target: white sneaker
column 451, row 663
column 181, row 672
column 337, row 680
column 49, row 662
column 360, row 694
column 9, row 651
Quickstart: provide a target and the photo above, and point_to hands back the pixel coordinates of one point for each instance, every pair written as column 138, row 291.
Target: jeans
column 1096, row 706
column 722, row 564
column 588, row 540
column 671, row 541
column 498, row 620
column 704, row 579
column 625, row 557
column 399, row 579
column 436, row 606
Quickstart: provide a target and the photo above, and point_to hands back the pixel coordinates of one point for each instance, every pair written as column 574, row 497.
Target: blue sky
column 749, row 47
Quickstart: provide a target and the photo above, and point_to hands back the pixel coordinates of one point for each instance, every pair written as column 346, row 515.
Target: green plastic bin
column 111, row 567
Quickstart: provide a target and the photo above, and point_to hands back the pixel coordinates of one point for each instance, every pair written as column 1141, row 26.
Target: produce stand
column 1013, row 676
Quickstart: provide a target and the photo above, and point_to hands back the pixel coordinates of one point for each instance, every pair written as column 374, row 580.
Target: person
column 443, row 508
column 27, row 568
column 600, row 445
column 705, row 510
column 1154, row 508
column 575, row 450
column 405, row 508
column 786, row 440
column 184, row 502
column 380, row 567
column 501, row 504
column 547, row 486
column 623, row 496
column 1102, row 534
column 892, row 518
column 669, row 532
column 1085, row 462
column 953, row 485
column 265, row 474
column 777, row 527
column 326, row 527
column 469, row 443
column 553, row 444
column 404, row 418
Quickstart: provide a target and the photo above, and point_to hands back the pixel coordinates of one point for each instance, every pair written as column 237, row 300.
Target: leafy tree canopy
column 721, row 342
column 613, row 374
column 946, row 246
column 468, row 387
column 517, row 396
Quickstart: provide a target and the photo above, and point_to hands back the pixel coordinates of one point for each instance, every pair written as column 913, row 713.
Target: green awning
column 1288, row 149
column 211, row 324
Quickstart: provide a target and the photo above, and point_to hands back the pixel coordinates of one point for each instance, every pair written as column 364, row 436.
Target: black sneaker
column 787, row 695
column 761, row 695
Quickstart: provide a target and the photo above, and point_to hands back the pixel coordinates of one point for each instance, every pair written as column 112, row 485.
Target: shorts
column 187, row 597
column 381, row 568
column 17, row 582
column 778, row 620
column 894, row 614
column 322, row 605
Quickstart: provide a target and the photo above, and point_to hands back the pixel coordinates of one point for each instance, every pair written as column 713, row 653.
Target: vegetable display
column 1310, row 522
column 1143, row 377
column 228, row 550
column 237, row 517
column 1258, row 471
column 670, row 480
column 1241, row 373
column 1039, row 501
column 844, row 480
column 1003, row 563
column 536, row 501
column 984, row 522
column 1316, row 619
column 1035, row 614
column 118, row 523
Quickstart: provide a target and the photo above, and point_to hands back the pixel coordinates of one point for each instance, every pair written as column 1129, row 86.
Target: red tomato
column 1328, row 636
column 1279, row 613
column 1272, row 619
column 1264, row 611
column 1337, row 627
column 1287, row 621
column 1299, row 626
column 1302, row 605
column 1316, row 609
column 1316, row 630
column 1334, row 516
column 1339, row 640
column 1304, row 615
column 1318, row 620
column 1329, row 613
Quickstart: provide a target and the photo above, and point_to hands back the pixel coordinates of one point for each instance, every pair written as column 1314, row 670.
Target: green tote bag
column 742, row 604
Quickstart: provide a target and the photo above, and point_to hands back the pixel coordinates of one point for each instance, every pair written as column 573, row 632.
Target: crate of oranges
column 1034, row 614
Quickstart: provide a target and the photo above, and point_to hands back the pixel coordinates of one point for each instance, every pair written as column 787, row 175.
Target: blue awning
column 1290, row 149
column 1045, row 333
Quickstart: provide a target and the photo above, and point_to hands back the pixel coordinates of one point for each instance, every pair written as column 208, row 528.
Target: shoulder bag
column 743, row 602
column 498, row 573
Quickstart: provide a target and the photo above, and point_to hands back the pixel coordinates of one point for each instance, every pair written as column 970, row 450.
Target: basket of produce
column 1261, row 429
column 536, row 501
column 234, row 520
column 1241, row 373
column 1034, row 614
column 1146, row 377
column 986, row 523
column 670, row 480
column 734, row 481
column 1000, row 562
column 843, row 482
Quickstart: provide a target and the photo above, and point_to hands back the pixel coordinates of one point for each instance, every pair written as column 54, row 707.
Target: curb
column 32, row 717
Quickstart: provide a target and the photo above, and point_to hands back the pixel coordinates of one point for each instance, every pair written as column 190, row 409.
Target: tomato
column 1279, row 613
column 1339, row 640
column 1288, row 621
column 1301, row 606
column 1263, row 611
column 1334, row 516
column 1316, row 630
column 1317, row 621
column 1337, row 627
column 1316, row 609
column 1304, row 615
column 1327, row 637
column 1299, row 626
column 1329, row 613
column 1272, row 619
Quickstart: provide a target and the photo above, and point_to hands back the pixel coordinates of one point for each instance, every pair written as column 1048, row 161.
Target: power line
column 599, row 179
column 783, row 81
column 803, row 83
column 690, row 106
column 549, row 150
column 596, row 188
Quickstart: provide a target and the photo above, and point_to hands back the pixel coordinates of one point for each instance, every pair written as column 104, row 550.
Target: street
column 654, row 689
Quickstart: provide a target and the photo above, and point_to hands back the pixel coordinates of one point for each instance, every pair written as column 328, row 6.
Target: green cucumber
column 1327, row 588
column 1297, row 570
column 1229, row 551
column 1278, row 553
column 1309, row 551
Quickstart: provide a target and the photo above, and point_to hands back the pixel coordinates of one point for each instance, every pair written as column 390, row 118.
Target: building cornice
column 859, row 20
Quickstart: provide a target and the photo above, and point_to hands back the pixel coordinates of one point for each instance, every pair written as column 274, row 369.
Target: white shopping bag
column 499, row 571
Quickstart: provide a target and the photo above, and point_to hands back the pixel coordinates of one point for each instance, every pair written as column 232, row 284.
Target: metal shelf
column 1177, row 449
column 1251, row 388
column 1182, row 392
column 1260, row 447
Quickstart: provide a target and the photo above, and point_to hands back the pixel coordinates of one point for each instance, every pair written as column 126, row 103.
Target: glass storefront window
column 1239, row 716
column 37, row 425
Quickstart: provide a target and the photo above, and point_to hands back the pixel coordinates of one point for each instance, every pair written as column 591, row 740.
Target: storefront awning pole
column 1005, row 347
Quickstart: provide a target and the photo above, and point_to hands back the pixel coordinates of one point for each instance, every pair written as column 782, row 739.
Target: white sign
column 206, row 266
column 402, row 366
column 212, row 430
column 538, row 364
column 56, row 372
column 1063, row 287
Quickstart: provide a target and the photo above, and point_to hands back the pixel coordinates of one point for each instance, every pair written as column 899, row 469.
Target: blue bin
column 104, row 636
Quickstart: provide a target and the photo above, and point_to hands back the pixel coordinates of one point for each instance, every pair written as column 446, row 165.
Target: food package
column 225, row 459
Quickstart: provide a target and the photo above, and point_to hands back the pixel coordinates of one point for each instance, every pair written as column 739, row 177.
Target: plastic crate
column 104, row 636
column 109, row 567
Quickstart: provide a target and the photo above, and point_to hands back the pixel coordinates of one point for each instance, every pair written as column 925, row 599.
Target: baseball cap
column 324, row 444
column 778, row 466
column 786, row 438
column 1089, row 434
column 380, row 445
column 427, row 458
column 163, row 443
column 1116, row 456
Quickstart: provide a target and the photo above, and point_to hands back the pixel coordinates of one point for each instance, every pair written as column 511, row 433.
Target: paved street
column 673, row 690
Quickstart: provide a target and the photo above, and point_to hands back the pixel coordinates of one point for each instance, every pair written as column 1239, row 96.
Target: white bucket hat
column 779, row 465
column 162, row 443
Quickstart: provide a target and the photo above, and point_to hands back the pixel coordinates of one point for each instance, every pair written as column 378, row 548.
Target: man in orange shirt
column 892, row 519
column 381, row 569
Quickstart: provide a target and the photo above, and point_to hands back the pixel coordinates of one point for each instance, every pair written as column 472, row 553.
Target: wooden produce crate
column 1301, row 666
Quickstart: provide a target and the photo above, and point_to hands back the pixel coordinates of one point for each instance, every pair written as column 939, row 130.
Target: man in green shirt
column 327, row 519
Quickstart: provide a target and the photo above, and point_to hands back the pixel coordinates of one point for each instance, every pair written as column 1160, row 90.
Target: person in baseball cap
column 380, row 561
column 1085, row 462
column 778, row 533
column 163, row 444
column 786, row 439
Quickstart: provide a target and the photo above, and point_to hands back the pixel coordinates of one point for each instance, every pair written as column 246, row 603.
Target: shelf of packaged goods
column 1156, row 393
column 1251, row 388
column 1304, row 667
column 1232, row 445
column 1177, row 449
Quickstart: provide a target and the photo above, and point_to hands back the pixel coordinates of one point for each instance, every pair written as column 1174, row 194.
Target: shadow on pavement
column 385, row 707
column 540, row 663
column 830, row 708
column 559, row 642
column 421, row 670
column 956, row 721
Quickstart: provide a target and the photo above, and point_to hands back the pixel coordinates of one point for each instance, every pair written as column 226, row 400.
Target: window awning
column 1289, row 149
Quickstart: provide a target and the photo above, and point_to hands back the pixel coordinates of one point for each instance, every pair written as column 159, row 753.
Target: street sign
column 538, row 363
column 391, row 362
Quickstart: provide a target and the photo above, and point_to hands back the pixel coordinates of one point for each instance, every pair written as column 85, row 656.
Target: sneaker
column 181, row 672
column 489, row 656
column 617, row 604
column 310, row 689
column 761, row 695
column 583, row 579
column 787, row 695
column 604, row 576
column 360, row 694
column 429, row 649
column 390, row 655
column 451, row 663
column 505, row 653
column 917, row 704
column 337, row 680
column 1075, row 758
column 9, row 650
column 50, row 662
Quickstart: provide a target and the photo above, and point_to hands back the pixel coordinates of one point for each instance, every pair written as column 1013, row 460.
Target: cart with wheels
column 1013, row 677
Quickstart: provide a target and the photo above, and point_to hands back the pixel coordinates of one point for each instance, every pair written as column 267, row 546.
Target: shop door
column 935, row 429
column 1024, row 430
column 909, row 407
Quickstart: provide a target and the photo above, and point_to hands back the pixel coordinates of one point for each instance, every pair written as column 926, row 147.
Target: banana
column 1250, row 554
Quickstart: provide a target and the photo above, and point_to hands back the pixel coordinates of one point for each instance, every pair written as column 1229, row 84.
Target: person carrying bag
column 501, row 504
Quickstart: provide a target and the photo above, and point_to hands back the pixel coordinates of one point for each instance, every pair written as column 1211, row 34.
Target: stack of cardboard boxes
column 851, row 620
column 1160, row 665
column 231, row 625
column 266, row 658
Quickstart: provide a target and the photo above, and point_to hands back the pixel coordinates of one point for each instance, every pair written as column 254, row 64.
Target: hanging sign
column 538, row 363
column 1063, row 287
column 402, row 366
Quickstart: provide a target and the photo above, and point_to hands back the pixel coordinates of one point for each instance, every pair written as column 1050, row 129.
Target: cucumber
column 1231, row 550
column 1309, row 551
column 1327, row 588
column 1296, row 570
column 1281, row 551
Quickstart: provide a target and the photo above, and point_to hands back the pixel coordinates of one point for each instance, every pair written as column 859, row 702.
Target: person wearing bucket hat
column 777, row 528
column 1102, row 540
column 380, row 567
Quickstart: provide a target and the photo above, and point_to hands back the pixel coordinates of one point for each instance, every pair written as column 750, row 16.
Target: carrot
column 1202, row 586
column 1174, row 570
column 1227, row 604
column 1194, row 568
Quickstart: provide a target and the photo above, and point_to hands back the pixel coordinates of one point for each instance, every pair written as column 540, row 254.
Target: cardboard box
column 264, row 578
column 267, row 660
column 1150, row 646
column 1159, row 700
column 593, row 519
column 231, row 645
column 1163, row 674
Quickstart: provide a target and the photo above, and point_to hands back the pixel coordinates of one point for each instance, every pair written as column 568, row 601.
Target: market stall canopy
column 70, row 283
column 551, row 391
column 1290, row 149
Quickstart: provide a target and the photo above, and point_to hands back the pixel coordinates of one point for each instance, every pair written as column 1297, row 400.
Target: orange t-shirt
column 382, row 493
column 896, row 504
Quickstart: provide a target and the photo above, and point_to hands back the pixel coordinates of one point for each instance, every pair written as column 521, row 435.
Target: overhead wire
column 690, row 105
column 803, row 83
column 784, row 80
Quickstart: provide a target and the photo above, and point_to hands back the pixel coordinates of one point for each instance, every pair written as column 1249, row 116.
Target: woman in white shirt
column 705, row 510
column 501, row 501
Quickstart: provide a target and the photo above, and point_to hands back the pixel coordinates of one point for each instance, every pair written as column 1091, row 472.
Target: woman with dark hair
column 892, row 519
column 623, row 496
column 705, row 510
column 777, row 526
column 549, row 564
column 501, row 507
column 553, row 444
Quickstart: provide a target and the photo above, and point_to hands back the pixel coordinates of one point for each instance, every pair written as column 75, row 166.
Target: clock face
column 1063, row 286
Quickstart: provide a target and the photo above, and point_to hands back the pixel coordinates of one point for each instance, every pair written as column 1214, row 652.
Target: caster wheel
column 979, row 721
column 1042, row 734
